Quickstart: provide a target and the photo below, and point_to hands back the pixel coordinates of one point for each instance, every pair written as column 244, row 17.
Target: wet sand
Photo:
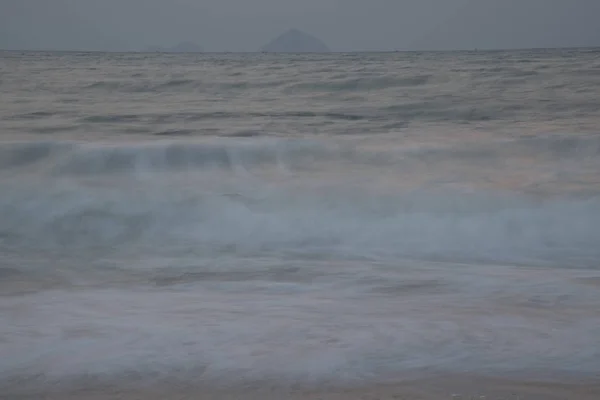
column 447, row 387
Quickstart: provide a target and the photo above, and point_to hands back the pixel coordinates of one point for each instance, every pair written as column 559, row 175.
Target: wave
column 362, row 84
column 93, row 159
column 139, row 84
column 217, row 115
column 144, row 85
column 250, row 151
column 79, row 201
column 120, row 118
column 20, row 154
column 442, row 111
column 242, row 220
column 36, row 115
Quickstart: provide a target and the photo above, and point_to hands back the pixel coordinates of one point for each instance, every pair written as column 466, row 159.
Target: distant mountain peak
column 295, row 41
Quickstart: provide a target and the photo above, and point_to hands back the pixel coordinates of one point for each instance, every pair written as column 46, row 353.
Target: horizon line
column 471, row 50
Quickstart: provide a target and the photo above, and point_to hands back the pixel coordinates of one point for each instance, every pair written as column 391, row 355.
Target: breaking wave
column 79, row 158
column 84, row 196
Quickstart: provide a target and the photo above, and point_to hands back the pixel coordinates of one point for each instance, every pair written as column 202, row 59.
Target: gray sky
column 344, row 25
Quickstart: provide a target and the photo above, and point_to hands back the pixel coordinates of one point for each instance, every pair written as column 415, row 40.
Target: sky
column 344, row 25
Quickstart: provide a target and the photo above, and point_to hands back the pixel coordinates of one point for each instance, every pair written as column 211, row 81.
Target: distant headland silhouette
column 295, row 41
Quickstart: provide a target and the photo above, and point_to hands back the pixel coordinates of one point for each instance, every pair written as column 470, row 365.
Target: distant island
column 183, row 47
column 295, row 41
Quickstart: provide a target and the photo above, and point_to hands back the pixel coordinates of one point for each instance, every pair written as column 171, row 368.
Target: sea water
column 303, row 218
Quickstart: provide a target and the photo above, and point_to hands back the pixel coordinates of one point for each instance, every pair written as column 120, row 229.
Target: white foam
column 447, row 318
column 322, row 272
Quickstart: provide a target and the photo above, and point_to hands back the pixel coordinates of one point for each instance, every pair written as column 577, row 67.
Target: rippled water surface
column 304, row 218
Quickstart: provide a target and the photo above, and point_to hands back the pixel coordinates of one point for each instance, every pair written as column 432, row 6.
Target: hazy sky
column 246, row 25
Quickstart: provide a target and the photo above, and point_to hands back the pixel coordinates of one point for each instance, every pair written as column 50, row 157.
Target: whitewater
column 302, row 219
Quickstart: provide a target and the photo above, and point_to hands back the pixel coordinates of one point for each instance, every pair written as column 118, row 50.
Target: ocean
column 302, row 219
